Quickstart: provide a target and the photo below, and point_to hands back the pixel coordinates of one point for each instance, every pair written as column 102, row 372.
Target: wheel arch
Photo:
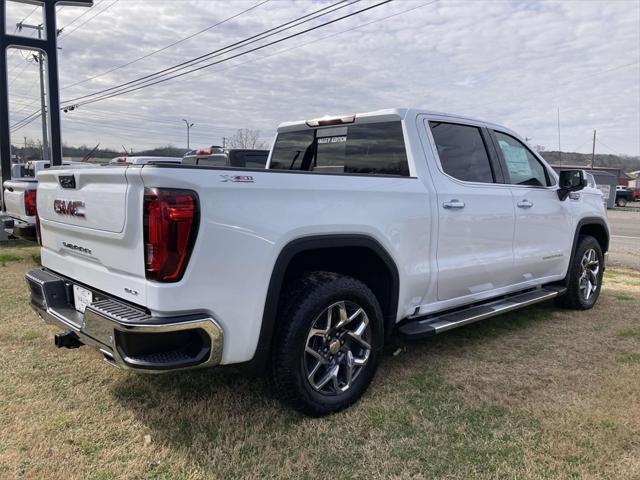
column 594, row 226
column 597, row 228
column 298, row 256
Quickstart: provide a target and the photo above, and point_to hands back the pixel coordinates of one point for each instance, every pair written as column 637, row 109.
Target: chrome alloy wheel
column 338, row 347
column 589, row 272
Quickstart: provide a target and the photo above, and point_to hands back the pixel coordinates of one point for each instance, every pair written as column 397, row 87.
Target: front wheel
column 585, row 275
column 328, row 344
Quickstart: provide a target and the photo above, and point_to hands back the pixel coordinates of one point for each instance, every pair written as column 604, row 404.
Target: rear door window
column 462, row 151
column 370, row 148
column 523, row 168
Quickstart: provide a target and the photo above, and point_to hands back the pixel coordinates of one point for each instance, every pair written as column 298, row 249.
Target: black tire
column 574, row 298
column 621, row 202
column 305, row 301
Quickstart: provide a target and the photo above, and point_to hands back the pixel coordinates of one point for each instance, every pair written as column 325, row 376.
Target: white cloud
column 510, row 62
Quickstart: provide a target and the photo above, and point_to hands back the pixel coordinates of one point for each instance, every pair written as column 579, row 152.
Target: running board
column 427, row 327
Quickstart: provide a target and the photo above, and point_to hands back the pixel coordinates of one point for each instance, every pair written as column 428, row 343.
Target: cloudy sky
column 511, row 62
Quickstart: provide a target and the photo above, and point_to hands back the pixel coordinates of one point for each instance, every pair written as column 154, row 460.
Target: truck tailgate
column 92, row 229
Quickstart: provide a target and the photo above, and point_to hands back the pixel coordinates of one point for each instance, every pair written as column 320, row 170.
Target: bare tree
column 246, row 138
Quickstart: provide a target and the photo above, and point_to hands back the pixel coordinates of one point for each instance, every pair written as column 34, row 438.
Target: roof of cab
column 394, row 114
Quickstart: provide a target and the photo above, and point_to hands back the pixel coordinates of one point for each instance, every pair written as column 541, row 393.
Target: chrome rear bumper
column 127, row 336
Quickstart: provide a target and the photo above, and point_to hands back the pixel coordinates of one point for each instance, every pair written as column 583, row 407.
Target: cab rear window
column 370, row 148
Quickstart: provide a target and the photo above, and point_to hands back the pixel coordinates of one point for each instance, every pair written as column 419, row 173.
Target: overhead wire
column 166, row 47
column 87, row 11
column 260, row 47
column 66, row 34
column 313, row 15
column 219, row 51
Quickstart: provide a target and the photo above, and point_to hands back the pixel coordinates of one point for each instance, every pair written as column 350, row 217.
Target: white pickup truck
column 396, row 222
column 19, row 215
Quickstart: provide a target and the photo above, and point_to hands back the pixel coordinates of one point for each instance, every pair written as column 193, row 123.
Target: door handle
column 525, row 204
column 453, row 204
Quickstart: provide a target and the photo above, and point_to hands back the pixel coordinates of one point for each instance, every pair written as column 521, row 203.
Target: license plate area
column 82, row 298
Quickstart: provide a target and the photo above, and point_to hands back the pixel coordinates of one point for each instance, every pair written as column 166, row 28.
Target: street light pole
column 189, row 125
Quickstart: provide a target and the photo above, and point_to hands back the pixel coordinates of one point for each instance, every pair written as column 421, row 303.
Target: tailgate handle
column 67, row 181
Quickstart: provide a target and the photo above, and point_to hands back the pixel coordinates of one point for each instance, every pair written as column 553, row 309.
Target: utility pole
column 593, row 150
column 189, row 125
column 224, row 142
column 48, row 46
column 559, row 146
column 43, row 101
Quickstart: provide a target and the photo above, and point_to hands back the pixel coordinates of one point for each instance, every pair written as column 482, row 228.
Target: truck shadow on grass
column 223, row 412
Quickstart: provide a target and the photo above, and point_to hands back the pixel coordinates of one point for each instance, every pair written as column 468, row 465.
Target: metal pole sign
column 48, row 46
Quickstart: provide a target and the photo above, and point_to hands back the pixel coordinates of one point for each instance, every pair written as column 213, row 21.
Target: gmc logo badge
column 74, row 208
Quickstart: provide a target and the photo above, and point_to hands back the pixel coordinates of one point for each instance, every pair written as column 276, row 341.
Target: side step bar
column 438, row 323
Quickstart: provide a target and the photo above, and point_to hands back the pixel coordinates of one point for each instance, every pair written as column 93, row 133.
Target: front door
column 476, row 218
column 542, row 238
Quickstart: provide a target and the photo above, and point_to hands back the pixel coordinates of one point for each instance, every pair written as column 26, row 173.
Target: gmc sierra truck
column 19, row 215
column 396, row 222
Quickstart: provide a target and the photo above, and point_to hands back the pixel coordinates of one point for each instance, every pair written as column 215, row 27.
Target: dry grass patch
column 540, row 393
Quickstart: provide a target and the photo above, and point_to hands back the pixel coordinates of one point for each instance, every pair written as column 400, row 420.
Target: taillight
column 170, row 228
column 30, row 207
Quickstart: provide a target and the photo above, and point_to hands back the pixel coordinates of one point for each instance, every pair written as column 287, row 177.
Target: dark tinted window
column 462, row 152
column 523, row 168
column 371, row 148
column 215, row 160
column 248, row 158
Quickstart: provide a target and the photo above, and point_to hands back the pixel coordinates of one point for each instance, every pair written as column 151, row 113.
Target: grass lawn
column 540, row 393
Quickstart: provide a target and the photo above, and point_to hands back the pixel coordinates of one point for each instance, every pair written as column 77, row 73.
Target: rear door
column 543, row 237
column 475, row 213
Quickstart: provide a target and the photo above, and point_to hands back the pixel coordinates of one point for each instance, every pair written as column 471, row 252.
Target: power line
column 29, row 14
column 92, row 111
column 86, row 11
column 600, row 142
column 89, row 19
column 28, row 119
column 184, row 39
column 302, row 32
column 313, row 15
column 315, row 40
column 233, row 46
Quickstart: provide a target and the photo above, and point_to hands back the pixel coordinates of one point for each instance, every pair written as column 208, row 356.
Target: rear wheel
column 621, row 202
column 585, row 275
column 328, row 346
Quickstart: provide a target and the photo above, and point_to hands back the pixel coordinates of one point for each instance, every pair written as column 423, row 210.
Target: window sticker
column 517, row 161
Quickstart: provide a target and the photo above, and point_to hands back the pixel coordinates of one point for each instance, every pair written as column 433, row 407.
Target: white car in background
column 19, row 215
